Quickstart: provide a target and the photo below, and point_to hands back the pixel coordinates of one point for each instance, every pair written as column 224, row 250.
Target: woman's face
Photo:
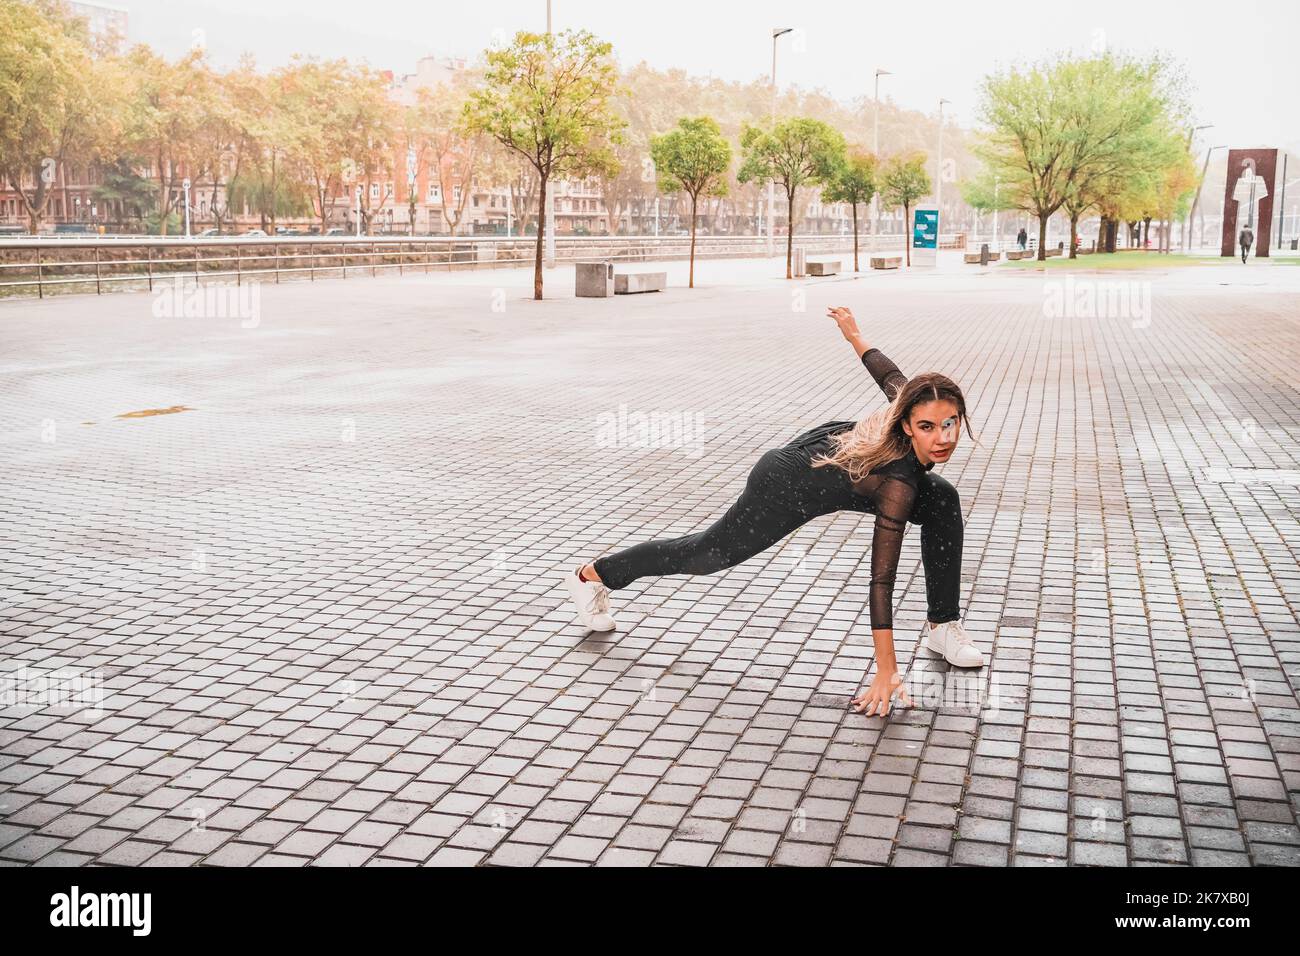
column 934, row 428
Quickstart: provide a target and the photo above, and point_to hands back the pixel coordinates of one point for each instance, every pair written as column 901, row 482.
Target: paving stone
column 325, row 641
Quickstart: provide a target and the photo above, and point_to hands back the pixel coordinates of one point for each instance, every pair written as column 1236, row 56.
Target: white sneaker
column 951, row 640
column 591, row 601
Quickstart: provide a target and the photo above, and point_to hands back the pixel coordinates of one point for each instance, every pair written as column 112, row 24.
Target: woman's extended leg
column 767, row 510
column 938, row 512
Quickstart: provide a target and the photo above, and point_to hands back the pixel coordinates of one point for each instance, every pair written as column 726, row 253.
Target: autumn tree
column 458, row 151
column 315, row 97
column 167, row 110
column 57, row 100
column 371, row 136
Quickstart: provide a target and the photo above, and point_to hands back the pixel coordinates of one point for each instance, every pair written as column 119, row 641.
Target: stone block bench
column 973, row 258
column 823, row 267
column 627, row 283
column 886, row 262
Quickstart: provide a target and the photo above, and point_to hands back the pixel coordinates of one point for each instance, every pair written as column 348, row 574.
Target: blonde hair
column 879, row 438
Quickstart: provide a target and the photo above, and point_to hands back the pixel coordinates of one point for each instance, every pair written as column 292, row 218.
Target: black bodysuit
column 784, row 491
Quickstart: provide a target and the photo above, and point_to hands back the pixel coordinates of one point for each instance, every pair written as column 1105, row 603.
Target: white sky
column 935, row 49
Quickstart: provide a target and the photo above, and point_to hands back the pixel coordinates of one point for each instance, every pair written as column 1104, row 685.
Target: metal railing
column 47, row 265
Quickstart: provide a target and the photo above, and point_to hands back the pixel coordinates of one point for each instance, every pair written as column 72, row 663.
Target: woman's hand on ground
column 874, row 701
column 844, row 319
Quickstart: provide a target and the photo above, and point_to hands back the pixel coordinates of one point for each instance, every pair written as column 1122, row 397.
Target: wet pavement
column 312, row 614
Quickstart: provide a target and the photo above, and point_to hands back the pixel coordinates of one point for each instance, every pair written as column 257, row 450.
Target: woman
column 880, row 465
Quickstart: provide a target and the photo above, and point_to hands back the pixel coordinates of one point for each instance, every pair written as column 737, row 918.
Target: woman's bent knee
column 938, row 501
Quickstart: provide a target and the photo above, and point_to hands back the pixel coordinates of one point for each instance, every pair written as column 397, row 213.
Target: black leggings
column 782, row 493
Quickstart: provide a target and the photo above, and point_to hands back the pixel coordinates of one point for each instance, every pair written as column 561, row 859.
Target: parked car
column 336, row 231
column 209, row 232
column 255, row 232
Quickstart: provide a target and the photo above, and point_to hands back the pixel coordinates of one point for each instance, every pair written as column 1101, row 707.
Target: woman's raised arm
column 884, row 371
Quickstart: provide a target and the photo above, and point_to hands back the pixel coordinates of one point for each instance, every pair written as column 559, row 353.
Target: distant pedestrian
column 1247, row 239
column 1022, row 237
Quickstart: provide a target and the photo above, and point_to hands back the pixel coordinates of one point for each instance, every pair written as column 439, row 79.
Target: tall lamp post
column 938, row 179
column 875, row 151
column 771, row 183
column 997, row 242
column 1191, row 216
column 1187, row 223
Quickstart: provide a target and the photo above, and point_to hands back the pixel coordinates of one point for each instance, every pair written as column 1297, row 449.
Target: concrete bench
column 886, row 262
column 823, row 267
column 973, row 258
column 1019, row 254
column 594, row 279
column 626, row 283
column 1048, row 253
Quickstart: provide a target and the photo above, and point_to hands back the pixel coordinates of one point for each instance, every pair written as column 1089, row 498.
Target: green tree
column 854, row 183
column 795, row 152
column 984, row 193
column 902, row 183
column 692, row 159
column 1061, row 131
column 549, row 98
column 124, row 194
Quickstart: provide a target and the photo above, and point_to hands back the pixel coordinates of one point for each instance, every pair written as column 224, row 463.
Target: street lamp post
column 997, row 244
column 875, row 151
column 1191, row 216
column 1281, row 205
column 938, row 179
column 771, row 183
column 186, row 186
column 1187, row 223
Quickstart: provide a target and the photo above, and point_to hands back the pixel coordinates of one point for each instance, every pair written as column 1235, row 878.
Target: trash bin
column 594, row 279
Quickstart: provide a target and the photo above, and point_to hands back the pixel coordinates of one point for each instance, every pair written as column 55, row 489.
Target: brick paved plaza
column 322, row 601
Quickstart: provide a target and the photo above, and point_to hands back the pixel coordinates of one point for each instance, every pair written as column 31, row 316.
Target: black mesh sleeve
column 884, row 371
column 894, row 499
